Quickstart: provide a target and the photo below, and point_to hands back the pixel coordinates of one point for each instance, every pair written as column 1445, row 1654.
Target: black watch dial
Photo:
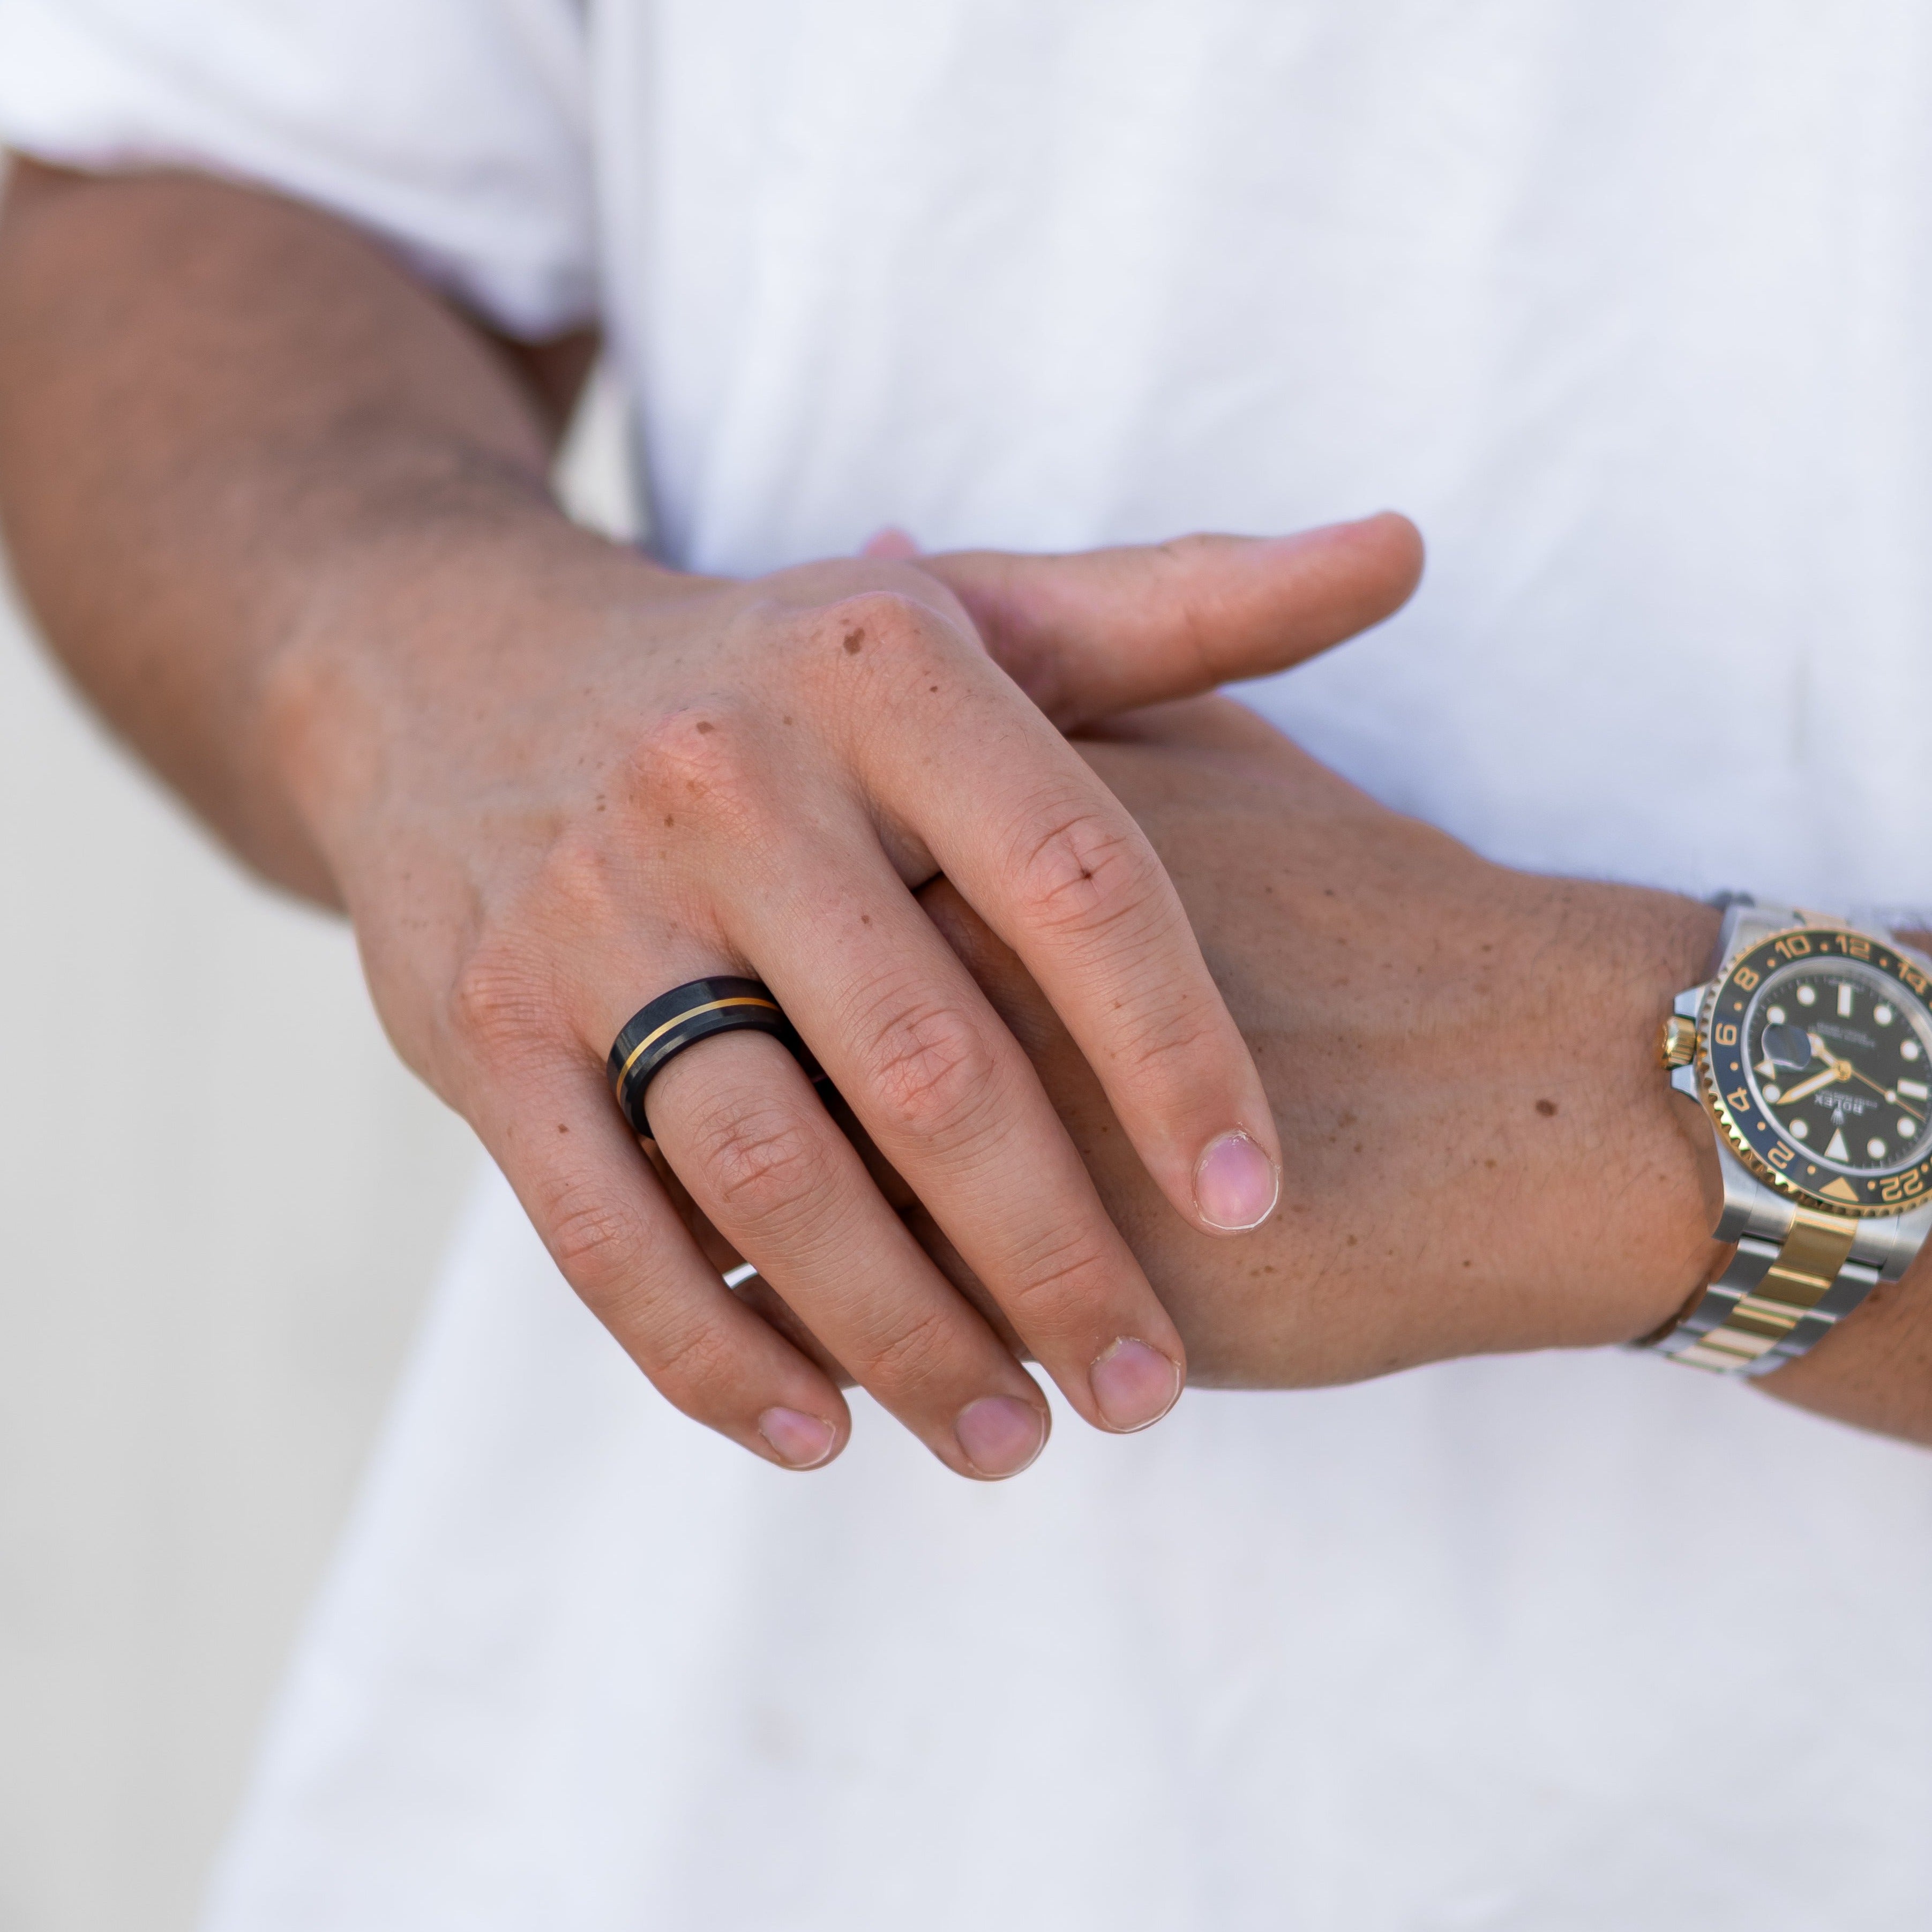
column 1815, row 1053
column 1840, row 1057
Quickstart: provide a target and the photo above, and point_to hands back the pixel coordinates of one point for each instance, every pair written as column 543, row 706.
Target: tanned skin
column 285, row 515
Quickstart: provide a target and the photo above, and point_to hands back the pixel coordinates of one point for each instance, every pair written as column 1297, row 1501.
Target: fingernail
column 1001, row 1434
column 1134, row 1385
column 1236, row 1185
column 802, row 1440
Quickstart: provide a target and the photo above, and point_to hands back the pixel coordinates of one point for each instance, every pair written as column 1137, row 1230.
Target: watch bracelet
column 1771, row 1302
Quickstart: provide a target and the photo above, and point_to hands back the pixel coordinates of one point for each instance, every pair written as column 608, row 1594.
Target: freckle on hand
column 1546, row 1107
column 855, row 643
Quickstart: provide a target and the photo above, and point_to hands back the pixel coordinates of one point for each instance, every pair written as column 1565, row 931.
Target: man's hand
column 286, row 516
column 674, row 777
column 1480, row 1153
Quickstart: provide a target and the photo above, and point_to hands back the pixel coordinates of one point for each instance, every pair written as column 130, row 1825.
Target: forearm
column 227, row 422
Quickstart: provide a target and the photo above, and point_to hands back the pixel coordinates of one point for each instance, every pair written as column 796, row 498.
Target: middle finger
column 951, row 1101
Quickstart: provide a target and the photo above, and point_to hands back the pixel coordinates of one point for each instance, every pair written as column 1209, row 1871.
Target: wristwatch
column 1811, row 1051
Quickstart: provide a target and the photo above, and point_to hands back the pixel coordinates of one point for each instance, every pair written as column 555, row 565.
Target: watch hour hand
column 1805, row 1088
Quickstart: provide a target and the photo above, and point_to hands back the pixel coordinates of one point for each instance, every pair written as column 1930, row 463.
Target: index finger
column 1056, row 866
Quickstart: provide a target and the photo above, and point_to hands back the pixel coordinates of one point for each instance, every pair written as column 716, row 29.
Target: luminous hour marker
column 1906, row 1129
column 1835, row 1148
column 1807, row 996
column 1800, row 1130
column 1875, row 1147
column 1882, row 1014
column 1772, row 1093
column 1908, row 1049
column 1844, row 1001
column 1914, row 1090
column 1776, row 1014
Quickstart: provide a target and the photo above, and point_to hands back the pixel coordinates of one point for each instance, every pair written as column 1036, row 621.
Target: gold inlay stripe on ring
column 709, row 1007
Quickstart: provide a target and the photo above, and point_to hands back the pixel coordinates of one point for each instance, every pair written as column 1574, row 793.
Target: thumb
column 1100, row 631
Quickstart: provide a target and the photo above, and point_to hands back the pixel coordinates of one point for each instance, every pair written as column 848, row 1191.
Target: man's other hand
column 1480, row 1153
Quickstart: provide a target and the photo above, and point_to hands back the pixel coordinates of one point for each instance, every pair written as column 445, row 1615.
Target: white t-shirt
column 1629, row 306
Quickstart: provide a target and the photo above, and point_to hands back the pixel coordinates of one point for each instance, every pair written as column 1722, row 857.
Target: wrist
column 421, row 663
column 1664, row 1198
column 1603, row 1230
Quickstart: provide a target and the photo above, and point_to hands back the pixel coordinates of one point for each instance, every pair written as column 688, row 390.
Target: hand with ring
column 289, row 519
column 631, row 782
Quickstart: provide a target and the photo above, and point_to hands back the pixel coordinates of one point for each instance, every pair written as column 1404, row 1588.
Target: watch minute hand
column 1888, row 1094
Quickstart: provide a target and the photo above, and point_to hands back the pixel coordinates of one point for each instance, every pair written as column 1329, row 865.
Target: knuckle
column 597, row 1249
column 691, row 1364
column 1170, row 1023
column 509, row 993
column 579, row 886
column 703, row 758
column 1064, row 1273
column 606, row 1257
column 760, row 1159
column 1079, row 874
column 893, row 644
column 1162, row 1032
column 911, row 1354
column 501, row 1005
column 932, row 1067
column 871, row 620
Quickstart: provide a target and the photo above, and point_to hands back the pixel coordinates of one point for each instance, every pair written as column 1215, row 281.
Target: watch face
column 1819, row 1066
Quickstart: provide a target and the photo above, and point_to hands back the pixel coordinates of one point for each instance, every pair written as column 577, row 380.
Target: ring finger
column 742, row 1128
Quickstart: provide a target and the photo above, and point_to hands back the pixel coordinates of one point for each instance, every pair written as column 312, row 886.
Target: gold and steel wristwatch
column 1810, row 1050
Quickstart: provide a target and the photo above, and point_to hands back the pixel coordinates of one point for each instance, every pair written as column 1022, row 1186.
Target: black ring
column 654, row 1036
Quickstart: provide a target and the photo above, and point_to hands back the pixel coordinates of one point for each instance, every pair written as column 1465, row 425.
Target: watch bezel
column 1731, row 1098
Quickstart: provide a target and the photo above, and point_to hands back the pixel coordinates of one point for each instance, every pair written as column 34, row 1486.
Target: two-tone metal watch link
column 1773, row 1300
